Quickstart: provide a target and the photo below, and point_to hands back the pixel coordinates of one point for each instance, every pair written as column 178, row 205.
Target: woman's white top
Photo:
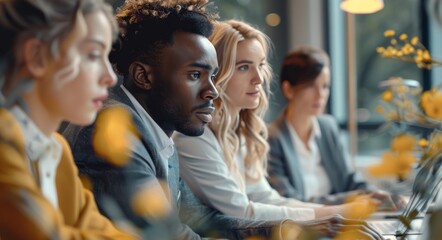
column 315, row 178
column 203, row 168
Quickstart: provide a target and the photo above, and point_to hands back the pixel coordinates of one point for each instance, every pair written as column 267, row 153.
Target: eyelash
column 246, row 67
column 193, row 74
column 243, row 68
column 94, row 55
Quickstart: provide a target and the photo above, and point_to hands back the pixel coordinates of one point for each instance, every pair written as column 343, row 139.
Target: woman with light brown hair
column 54, row 67
column 307, row 160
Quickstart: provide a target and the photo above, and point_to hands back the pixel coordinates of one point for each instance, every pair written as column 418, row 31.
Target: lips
column 98, row 102
column 205, row 114
column 256, row 92
column 317, row 105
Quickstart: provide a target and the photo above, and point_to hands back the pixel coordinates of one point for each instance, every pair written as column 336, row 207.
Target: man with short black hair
column 167, row 64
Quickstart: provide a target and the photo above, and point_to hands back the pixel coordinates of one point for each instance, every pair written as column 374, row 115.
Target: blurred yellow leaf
column 151, row 201
column 389, row 33
column 113, row 135
column 403, row 142
column 415, row 40
column 387, row 96
column 431, row 103
column 380, row 49
column 360, row 206
column 423, row 143
column 394, row 164
column 403, row 37
column 379, row 109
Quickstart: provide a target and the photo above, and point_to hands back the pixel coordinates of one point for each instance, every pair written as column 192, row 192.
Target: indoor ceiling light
column 362, row 6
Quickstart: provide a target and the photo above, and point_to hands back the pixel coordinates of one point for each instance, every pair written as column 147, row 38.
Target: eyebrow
column 243, row 61
column 248, row 61
column 204, row 66
column 93, row 40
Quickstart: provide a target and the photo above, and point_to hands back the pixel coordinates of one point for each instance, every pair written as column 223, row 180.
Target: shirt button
column 170, row 166
column 48, row 174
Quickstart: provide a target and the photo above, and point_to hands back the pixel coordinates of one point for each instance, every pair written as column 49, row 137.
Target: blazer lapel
column 294, row 171
column 145, row 132
column 328, row 160
column 173, row 179
column 119, row 97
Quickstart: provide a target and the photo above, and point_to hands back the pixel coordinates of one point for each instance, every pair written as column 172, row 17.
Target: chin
column 84, row 120
column 192, row 131
column 317, row 113
column 251, row 106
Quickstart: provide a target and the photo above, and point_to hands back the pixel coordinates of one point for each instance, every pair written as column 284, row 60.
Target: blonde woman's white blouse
column 203, row 168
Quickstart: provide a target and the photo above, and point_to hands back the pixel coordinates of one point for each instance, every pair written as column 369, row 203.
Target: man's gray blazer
column 113, row 186
column 285, row 174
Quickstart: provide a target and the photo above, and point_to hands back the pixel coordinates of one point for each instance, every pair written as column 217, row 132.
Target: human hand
column 389, row 202
column 359, row 207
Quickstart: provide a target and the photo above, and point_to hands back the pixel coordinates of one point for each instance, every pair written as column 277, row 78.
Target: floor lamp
column 352, row 7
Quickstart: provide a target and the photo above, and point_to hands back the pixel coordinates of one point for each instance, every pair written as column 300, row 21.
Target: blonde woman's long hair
column 248, row 127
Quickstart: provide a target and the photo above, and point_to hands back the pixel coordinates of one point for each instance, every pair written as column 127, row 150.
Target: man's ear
column 287, row 90
column 142, row 75
column 34, row 57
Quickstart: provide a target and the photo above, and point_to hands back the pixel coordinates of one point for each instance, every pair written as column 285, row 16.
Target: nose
column 210, row 92
column 109, row 78
column 321, row 92
column 318, row 91
column 258, row 77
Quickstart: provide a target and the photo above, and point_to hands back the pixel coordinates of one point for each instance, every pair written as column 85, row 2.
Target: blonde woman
column 226, row 166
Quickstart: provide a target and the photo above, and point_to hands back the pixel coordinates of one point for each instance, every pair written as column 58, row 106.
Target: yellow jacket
column 24, row 211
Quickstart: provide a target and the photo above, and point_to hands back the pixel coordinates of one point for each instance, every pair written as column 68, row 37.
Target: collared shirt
column 162, row 142
column 316, row 180
column 44, row 154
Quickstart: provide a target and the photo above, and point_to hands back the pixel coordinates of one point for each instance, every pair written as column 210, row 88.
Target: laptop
column 391, row 227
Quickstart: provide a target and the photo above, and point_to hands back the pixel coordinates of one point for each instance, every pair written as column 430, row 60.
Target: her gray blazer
column 284, row 170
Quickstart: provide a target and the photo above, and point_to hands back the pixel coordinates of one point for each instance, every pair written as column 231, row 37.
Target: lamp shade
column 362, row 6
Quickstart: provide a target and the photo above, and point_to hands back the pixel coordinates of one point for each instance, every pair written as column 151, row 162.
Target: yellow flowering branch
column 403, row 102
column 398, row 101
column 407, row 50
column 398, row 160
column 431, row 103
